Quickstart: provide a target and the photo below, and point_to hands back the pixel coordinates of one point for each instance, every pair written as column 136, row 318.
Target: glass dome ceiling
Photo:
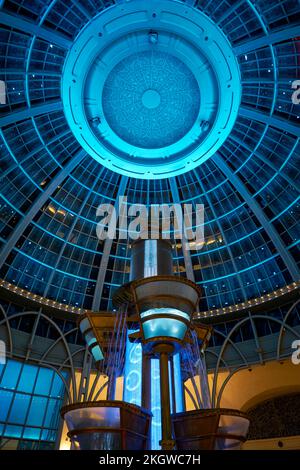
column 51, row 186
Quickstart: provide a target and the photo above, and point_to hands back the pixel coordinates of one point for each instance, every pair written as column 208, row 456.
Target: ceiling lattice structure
column 51, row 187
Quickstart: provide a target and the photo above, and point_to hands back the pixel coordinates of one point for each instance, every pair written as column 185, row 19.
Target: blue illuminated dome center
column 151, row 89
column 151, row 99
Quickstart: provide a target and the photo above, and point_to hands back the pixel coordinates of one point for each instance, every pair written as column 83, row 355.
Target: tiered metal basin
column 165, row 305
column 210, row 429
column 107, row 425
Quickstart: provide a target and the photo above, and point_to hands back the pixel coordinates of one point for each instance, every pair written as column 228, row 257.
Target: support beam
column 30, row 112
column 267, row 40
column 106, row 252
column 225, row 239
column 268, row 161
column 146, row 381
column 82, row 9
column 186, row 253
column 273, row 121
column 167, row 443
column 36, row 206
column 34, row 152
column 228, row 11
column 66, row 240
column 259, row 214
column 29, row 27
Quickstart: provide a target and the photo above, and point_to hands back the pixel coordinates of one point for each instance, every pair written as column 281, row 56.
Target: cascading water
column 194, row 364
column 116, row 351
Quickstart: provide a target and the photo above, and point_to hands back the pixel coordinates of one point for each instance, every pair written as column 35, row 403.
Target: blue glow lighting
column 133, row 372
column 178, row 385
column 150, row 262
column 170, row 327
column 164, row 109
column 97, row 353
column 155, row 405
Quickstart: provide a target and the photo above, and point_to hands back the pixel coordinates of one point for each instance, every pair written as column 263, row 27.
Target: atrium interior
column 157, row 342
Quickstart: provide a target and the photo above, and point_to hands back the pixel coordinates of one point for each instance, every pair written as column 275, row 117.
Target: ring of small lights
column 185, row 123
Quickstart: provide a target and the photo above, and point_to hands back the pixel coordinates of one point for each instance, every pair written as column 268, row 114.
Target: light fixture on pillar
column 91, row 324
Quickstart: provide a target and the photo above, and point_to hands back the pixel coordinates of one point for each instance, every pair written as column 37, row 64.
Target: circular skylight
column 151, row 100
column 152, row 93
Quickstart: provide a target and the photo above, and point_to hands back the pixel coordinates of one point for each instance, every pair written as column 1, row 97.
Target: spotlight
column 204, row 125
column 153, row 37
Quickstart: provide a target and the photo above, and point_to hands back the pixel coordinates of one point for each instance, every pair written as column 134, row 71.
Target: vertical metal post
column 173, row 393
column 167, row 443
column 146, row 391
column 111, row 387
column 146, row 382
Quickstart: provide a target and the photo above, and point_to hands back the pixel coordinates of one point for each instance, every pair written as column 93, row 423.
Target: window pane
column 27, row 379
column 52, row 414
column 11, row 374
column 13, row 431
column 19, row 408
column 57, row 387
column 32, row 433
column 5, row 400
column 37, row 411
column 43, row 383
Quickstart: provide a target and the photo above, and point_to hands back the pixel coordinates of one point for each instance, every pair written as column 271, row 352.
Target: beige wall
column 280, row 443
column 246, row 387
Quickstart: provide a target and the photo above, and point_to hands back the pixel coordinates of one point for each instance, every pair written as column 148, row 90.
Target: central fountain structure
column 156, row 310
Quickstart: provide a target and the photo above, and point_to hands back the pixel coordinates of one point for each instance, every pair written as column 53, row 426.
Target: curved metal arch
column 272, row 38
column 238, row 325
column 278, row 351
column 76, row 396
column 213, row 353
column 274, row 58
column 101, row 389
column 222, row 388
column 280, row 336
column 187, row 390
column 93, row 387
column 52, row 346
column 8, row 329
column 27, row 113
column 269, row 120
column 42, row 315
column 233, row 344
column 57, row 371
column 35, row 30
column 73, row 355
column 227, row 339
column 256, row 338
